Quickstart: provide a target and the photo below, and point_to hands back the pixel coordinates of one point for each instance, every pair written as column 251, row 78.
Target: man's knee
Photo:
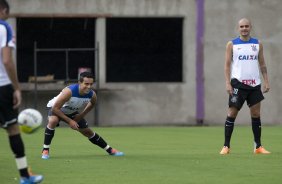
column 255, row 114
column 232, row 112
column 13, row 130
column 255, row 111
column 87, row 132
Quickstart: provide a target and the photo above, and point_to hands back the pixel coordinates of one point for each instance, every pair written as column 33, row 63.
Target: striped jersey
column 245, row 66
column 76, row 103
column 6, row 39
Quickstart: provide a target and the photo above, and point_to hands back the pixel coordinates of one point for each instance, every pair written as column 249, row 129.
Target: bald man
column 244, row 61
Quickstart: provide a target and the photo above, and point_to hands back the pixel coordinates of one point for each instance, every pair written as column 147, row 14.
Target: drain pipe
column 200, row 91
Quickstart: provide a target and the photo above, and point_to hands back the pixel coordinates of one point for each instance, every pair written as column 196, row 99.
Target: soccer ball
column 29, row 120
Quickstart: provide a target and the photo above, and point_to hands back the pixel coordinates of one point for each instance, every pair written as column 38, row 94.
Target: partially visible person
column 71, row 106
column 244, row 60
column 10, row 97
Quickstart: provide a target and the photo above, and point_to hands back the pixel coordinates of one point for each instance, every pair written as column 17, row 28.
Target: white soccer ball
column 30, row 120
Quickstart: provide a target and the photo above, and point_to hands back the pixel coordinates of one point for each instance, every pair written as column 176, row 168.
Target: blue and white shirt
column 245, row 66
column 76, row 103
column 6, row 40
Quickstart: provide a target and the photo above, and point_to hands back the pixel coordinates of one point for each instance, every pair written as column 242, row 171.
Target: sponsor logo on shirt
column 249, row 82
column 247, row 57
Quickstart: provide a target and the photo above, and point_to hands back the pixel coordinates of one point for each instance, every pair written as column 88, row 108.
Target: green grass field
column 154, row 155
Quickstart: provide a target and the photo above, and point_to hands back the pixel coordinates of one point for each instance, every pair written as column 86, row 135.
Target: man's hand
column 229, row 88
column 266, row 88
column 17, row 99
column 73, row 124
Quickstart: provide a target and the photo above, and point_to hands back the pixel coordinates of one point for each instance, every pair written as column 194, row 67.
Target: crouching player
column 71, row 106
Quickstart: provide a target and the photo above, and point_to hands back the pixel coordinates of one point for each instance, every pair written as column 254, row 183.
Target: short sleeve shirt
column 6, row 40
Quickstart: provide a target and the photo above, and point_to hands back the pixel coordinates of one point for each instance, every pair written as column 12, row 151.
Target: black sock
column 256, row 127
column 49, row 134
column 228, row 129
column 99, row 141
column 24, row 173
column 17, row 147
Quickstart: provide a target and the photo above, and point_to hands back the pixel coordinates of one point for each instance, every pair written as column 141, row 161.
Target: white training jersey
column 76, row 103
column 6, row 39
column 245, row 66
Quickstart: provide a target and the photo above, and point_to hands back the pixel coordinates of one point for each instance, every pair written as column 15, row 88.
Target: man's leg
column 48, row 135
column 17, row 146
column 99, row 141
column 228, row 129
column 256, row 128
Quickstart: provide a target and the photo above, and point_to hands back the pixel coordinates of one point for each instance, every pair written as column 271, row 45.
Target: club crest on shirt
column 234, row 99
column 254, row 48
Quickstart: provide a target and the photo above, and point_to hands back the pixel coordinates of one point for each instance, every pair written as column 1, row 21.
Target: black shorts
column 82, row 123
column 239, row 96
column 8, row 115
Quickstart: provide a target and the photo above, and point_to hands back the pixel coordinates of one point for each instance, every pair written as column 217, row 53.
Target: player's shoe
column 225, row 150
column 116, row 153
column 261, row 150
column 45, row 154
column 32, row 179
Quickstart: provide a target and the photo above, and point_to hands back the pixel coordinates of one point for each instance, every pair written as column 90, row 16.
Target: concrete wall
column 220, row 24
column 174, row 103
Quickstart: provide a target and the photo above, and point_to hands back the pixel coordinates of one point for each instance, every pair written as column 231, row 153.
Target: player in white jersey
column 10, row 97
column 244, row 60
column 71, row 106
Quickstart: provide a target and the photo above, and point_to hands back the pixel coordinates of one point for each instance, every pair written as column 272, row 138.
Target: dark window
column 144, row 49
column 54, row 33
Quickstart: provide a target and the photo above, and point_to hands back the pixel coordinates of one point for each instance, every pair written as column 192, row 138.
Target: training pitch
column 153, row 155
